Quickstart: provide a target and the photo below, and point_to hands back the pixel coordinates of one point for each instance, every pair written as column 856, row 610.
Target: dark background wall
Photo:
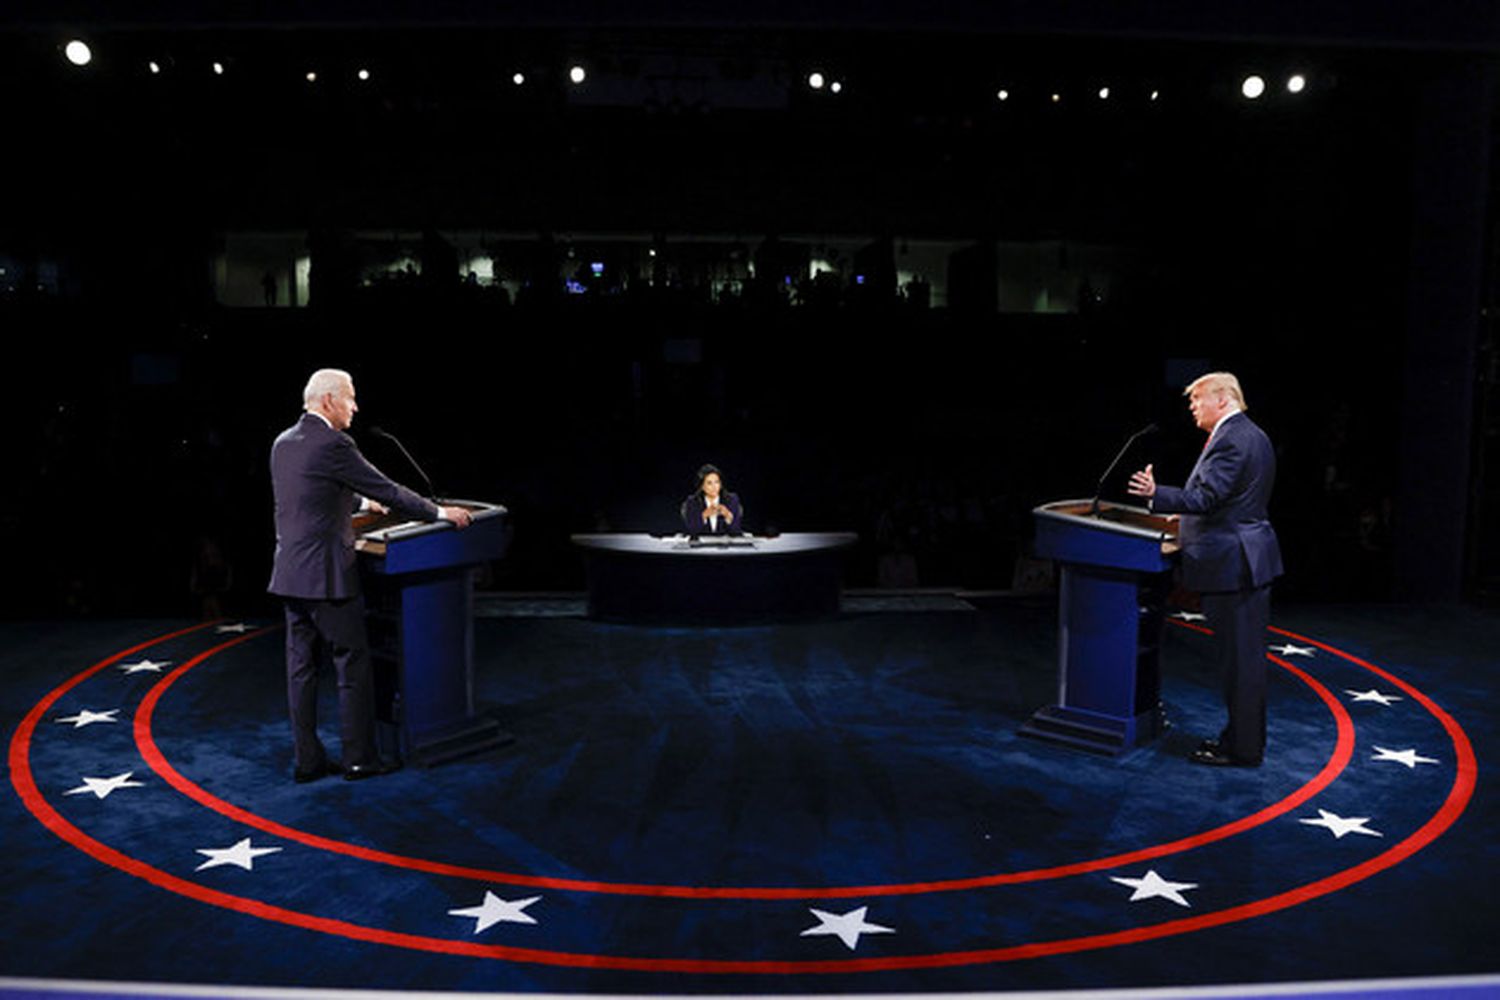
column 1334, row 249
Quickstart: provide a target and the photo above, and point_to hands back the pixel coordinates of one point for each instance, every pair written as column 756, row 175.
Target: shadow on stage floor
column 831, row 807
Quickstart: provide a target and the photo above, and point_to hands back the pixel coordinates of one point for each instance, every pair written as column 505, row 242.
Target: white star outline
column 241, row 855
column 101, row 787
column 1408, row 757
column 88, row 718
column 495, row 910
column 847, row 927
column 239, row 627
column 1152, row 886
column 1188, row 616
column 145, row 666
column 1287, row 649
column 1372, row 695
column 1340, row 826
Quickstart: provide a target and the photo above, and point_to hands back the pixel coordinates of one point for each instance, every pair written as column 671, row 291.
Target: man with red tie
column 1230, row 554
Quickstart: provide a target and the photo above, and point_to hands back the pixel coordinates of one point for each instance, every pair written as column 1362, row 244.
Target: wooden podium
column 1114, row 565
column 419, row 608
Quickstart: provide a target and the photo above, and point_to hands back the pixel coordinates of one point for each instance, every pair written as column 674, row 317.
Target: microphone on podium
column 381, row 433
column 1098, row 490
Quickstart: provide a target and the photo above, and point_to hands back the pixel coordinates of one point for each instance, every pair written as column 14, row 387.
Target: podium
column 419, row 609
column 1113, row 577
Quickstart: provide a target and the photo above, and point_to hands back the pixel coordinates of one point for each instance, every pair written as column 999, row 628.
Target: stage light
column 218, row 69
column 1056, row 98
column 1155, row 94
column 836, row 86
column 1103, row 93
column 78, row 53
column 815, row 80
column 577, row 74
column 364, row 74
column 1296, row 83
column 1253, row 87
column 518, row 79
column 1003, row 95
column 154, row 67
column 312, row 77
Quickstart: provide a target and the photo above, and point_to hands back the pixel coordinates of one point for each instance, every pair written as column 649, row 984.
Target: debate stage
column 833, row 806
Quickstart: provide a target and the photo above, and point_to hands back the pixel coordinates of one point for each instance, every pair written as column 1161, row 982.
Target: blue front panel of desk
column 1099, row 629
column 437, row 638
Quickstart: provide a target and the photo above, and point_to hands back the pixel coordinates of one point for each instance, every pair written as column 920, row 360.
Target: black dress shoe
column 374, row 769
column 327, row 768
column 1218, row 758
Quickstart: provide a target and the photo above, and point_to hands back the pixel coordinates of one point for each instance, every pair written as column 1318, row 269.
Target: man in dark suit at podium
column 316, row 474
column 1230, row 554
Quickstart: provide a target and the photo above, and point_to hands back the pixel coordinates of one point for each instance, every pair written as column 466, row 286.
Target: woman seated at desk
column 708, row 510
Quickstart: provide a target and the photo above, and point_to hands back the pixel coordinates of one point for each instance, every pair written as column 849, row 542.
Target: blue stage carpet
column 839, row 807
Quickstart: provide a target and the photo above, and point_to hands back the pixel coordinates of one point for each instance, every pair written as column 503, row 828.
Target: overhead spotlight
column 1296, row 83
column 836, row 87
column 1155, row 95
column 577, row 73
column 78, row 53
column 1056, row 98
column 1253, row 87
column 364, row 74
column 312, row 76
column 218, row 69
column 518, row 79
column 1103, row 93
column 154, row 67
column 815, row 80
column 1003, row 95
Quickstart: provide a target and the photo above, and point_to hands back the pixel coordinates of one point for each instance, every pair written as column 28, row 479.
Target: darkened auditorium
column 989, row 498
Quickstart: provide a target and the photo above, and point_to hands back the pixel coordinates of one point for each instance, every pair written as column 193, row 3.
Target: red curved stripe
column 1458, row 797
column 1343, row 751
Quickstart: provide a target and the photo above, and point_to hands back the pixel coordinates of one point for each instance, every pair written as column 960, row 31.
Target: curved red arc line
column 1454, row 805
column 1340, row 758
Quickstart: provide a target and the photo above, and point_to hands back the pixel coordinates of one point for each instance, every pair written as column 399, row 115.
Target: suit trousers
column 340, row 625
column 1239, row 619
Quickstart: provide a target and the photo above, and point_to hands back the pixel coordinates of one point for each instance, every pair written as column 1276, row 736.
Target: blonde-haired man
column 1229, row 554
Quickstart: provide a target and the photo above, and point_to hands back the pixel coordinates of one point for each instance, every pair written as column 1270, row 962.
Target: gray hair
column 323, row 382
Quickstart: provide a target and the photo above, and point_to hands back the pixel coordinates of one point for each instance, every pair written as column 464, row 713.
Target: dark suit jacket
column 316, row 474
column 692, row 515
column 1227, row 539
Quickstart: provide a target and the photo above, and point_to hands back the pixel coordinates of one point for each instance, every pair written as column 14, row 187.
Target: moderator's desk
column 644, row 577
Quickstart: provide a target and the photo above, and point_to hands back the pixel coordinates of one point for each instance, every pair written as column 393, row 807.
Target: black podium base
column 1093, row 733
column 462, row 739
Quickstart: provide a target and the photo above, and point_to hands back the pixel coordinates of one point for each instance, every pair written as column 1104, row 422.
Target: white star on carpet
column 1372, row 695
column 1152, row 885
column 101, row 787
column 85, row 718
column 1407, row 757
column 847, row 927
column 144, row 666
column 1340, row 825
column 1287, row 649
column 495, row 910
column 241, row 854
column 1189, row 616
column 239, row 627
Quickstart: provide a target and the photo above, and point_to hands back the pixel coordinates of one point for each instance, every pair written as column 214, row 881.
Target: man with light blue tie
column 1230, row 554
